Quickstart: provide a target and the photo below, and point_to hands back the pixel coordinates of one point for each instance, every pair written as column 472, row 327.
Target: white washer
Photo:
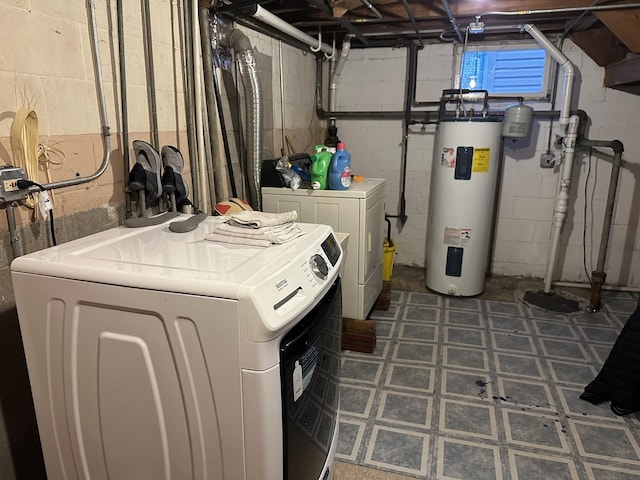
column 157, row 355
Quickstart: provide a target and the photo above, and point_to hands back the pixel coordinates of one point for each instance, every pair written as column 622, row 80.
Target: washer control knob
column 319, row 266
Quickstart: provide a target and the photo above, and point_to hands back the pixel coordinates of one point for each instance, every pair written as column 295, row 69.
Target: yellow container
column 387, row 260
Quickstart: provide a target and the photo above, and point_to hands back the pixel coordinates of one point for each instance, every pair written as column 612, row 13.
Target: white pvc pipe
column 564, row 63
column 270, row 19
column 562, row 201
column 569, row 146
column 337, row 71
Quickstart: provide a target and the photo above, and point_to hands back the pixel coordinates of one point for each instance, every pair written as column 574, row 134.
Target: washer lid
column 157, row 258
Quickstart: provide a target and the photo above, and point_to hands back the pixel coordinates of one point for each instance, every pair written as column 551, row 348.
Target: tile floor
column 472, row 388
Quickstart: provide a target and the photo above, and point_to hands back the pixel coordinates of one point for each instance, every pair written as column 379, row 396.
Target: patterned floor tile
column 411, row 377
column 398, row 450
column 465, row 384
column 599, row 334
column 474, row 304
column 465, row 357
column 405, row 409
column 418, row 331
column 362, row 371
column 504, row 308
column 528, row 466
column 576, row 408
column 536, row 430
column 463, row 319
column 356, row 401
column 609, row 472
column 481, row 462
column 528, row 395
column 464, row 336
column 563, row 349
column 472, row 389
column 415, row 352
column 605, row 442
column 473, row 420
column 350, row 435
column 513, row 342
column 554, row 329
column 574, row 373
column 421, row 314
column 429, row 299
column 519, row 365
column 512, row 324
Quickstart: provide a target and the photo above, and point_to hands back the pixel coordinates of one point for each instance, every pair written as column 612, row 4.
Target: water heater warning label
column 457, row 237
column 481, row 157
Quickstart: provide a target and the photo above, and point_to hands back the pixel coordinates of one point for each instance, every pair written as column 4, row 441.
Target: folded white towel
column 276, row 234
column 216, row 237
column 256, row 219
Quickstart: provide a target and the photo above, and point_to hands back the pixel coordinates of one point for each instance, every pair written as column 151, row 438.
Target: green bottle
column 320, row 161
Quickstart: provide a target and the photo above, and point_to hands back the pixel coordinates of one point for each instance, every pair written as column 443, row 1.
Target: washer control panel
column 319, row 266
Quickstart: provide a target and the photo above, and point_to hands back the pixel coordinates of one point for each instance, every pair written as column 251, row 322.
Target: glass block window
column 505, row 70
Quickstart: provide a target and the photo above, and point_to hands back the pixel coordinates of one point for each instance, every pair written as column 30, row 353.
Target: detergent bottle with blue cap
column 320, row 161
column 340, row 169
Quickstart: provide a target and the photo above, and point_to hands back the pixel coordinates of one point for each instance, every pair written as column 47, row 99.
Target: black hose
column 189, row 95
column 223, row 128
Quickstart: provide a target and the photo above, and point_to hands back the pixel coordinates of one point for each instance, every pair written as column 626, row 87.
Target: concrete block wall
column 373, row 79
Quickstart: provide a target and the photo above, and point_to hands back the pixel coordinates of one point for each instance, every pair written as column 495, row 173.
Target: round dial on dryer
column 319, row 266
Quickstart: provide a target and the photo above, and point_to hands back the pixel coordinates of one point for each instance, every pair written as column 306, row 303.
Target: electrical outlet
column 547, row 160
column 9, row 191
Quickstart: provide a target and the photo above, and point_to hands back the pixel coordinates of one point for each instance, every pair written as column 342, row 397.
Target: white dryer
column 159, row 355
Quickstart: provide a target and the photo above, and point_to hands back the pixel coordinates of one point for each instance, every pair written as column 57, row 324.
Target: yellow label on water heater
column 481, row 157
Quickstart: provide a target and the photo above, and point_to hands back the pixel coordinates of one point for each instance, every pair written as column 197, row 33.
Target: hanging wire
column 584, row 219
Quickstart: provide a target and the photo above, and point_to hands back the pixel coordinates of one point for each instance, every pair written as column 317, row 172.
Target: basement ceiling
column 609, row 32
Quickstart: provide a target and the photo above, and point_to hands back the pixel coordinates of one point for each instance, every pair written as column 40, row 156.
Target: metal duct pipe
column 337, row 71
column 452, row 19
column 270, row 19
column 254, row 109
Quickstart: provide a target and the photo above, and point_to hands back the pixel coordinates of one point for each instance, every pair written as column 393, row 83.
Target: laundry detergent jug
column 320, row 167
column 340, row 169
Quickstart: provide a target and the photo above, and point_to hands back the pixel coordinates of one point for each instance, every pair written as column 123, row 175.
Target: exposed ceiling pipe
column 565, row 65
column 270, row 19
column 413, row 19
column 452, row 19
column 592, row 8
column 346, row 24
column 374, row 10
column 337, row 71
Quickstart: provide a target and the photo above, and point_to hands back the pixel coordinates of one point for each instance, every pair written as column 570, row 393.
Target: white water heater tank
column 463, row 184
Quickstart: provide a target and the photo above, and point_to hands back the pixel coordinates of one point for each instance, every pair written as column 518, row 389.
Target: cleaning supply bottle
column 320, row 167
column 340, row 169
